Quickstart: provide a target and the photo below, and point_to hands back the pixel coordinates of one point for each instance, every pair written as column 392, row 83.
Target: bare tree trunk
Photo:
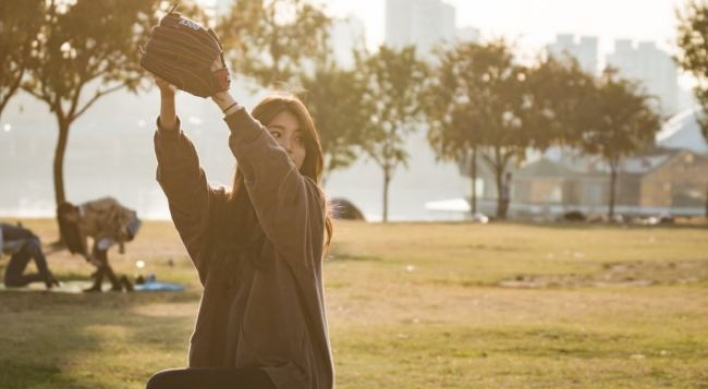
column 499, row 168
column 613, row 183
column 59, row 192
column 499, row 173
column 498, row 164
column 387, row 180
column 473, row 175
column 60, row 151
column 11, row 89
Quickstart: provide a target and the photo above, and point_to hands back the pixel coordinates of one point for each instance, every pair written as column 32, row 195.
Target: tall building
column 423, row 23
column 585, row 51
column 652, row 67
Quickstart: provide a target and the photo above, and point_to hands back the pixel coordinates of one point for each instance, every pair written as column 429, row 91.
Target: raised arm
column 290, row 207
column 184, row 182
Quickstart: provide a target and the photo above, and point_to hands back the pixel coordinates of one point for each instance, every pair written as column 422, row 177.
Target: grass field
column 410, row 306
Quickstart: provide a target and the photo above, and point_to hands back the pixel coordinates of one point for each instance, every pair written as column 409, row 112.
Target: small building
column 545, row 182
column 656, row 181
column 679, row 181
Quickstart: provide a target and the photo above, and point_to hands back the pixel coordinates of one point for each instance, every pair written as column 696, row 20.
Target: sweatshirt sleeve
column 191, row 199
column 290, row 207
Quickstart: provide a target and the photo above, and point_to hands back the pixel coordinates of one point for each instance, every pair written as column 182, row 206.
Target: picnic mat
column 79, row 286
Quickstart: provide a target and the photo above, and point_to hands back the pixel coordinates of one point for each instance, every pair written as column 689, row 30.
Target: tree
column 498, row 95
column 525, row 107
column 271, row 41
column 85, row 45
column 619, row 120
column 19, row 25
column 334, row 98
column 557, row 91
column 481, row 99
column 449, row 110
column 394, row 80
column 692, row 42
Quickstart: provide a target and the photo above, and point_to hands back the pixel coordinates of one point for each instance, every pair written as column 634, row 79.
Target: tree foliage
column 334, row 98
column 557, row 91
column 692, row 42
column 619, row 121
column 273, row 41
column 394, row 80
column 481, row 98
column 85, row 50
column 450, row 100
column 19, row 24
column 492, row 103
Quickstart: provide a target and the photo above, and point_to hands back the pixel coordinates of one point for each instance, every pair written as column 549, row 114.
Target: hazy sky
column 538, row 21
column 534, row 23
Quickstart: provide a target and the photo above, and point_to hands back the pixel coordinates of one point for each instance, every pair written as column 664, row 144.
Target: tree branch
column 75, row 99
column 11, row 90
column 97, row 96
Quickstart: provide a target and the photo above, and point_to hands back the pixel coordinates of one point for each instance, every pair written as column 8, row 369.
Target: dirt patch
column 620, row 274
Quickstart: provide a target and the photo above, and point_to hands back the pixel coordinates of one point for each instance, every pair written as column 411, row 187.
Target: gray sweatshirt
column 273, row 315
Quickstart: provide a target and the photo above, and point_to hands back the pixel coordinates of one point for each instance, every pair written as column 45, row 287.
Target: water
column 110, row 153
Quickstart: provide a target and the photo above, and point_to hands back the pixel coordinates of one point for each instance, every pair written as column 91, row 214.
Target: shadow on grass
column 53, row 340
column 27, row 375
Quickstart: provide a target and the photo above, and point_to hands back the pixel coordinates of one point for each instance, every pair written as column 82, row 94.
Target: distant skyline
column 534, row 24
column 537, row 22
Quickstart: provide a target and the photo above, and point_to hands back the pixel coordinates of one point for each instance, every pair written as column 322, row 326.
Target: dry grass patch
column 410, row 306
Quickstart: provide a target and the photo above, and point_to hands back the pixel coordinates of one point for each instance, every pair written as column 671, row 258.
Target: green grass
column 410, row 306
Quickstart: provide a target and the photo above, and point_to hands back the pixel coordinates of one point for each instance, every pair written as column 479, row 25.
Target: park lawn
column 410, row 306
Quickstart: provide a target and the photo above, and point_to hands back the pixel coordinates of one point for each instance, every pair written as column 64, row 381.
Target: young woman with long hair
column 258, row 248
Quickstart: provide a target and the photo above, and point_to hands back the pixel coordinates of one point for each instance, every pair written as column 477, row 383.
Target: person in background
column 24, row 246
column 107, row 222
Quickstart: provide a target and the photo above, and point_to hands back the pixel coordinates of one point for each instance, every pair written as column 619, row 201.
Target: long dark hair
column 265, row 112
column 70, row 232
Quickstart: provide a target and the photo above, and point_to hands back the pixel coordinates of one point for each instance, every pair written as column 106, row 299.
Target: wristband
column 229, row 107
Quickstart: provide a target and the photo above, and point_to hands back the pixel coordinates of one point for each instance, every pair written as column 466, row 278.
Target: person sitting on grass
column 107, row 222
column 24, row 246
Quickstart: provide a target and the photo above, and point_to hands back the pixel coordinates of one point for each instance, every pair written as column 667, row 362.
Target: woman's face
column 285, row 128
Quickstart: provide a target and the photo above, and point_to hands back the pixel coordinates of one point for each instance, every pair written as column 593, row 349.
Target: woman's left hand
column 223, row 99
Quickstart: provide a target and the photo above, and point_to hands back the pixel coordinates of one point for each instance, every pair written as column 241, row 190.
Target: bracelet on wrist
column 230, row 106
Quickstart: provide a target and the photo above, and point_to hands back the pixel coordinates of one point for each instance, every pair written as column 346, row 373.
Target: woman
column 107, row 222
column 257, row 248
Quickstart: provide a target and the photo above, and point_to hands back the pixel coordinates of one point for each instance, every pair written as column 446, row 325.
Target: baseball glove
column 182, row 53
